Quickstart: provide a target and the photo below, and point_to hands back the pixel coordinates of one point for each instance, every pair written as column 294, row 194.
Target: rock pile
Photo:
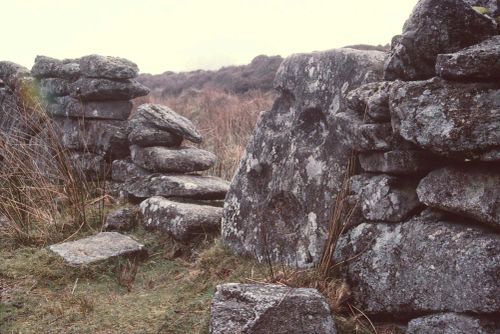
column 425, row 239
column 160, row 171
column 89, row 101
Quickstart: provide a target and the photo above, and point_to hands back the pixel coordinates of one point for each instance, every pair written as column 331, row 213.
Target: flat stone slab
column 97, row 248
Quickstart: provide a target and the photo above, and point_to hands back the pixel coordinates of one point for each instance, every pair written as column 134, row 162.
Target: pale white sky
column 178, row 35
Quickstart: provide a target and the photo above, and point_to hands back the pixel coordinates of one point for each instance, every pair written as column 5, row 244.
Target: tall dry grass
column 225, row 120
column 43, row 197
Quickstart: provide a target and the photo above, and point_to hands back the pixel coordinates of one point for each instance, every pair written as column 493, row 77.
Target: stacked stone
column 163, row 173
column 426, row 238
column 89, row 101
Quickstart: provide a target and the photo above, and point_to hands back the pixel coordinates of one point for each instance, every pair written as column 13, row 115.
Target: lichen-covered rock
column 54, row 87
column 182, row 221
column 89, row 166
column 172, row 159
column 11, row 73
column 434, row 27
column 427, row 264
column 98, row 89
column 106, row 137
column 98, row 247
column 261, row 309
column 447, row 118
column 452, row 323
column 478, row 62
column 399, row 161
column 145, row 136
column 294, row 155
column 371, row 99
column 156, row 116
column 388, row 198
column 123, row 219
column 467, row 191
column 46, row 67
column 123, row 170
column 96, row 66
column 492, row 6
column 69, row 107
column 177, row 185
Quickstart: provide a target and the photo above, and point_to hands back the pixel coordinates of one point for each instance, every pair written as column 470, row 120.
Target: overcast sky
column 179, row 35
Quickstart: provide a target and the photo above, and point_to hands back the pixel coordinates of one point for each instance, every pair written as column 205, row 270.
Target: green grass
column 42, row 295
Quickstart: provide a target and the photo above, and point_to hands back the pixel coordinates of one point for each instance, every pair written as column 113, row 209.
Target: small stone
column 155, row 116
column 145, row 136
column 46, row 67
column 388, row 198
column 123, row 219
column 434, row 27
column 448, row 118
column 96, row 66
column 123, row 170
column 69, row 107
column 479, row 62
column 452, row 323
column 54, row 87
column 11, row 73
column 96, row 248
column 92, row 89
column 172, row 185
column 371, row 99
column 471, row 191
column 90, row 166
column 263, row 308
column 399, row 161
column 166, row 159
column 182, row 221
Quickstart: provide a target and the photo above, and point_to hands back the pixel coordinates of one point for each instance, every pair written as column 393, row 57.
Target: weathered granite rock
column 177, row 185
column 447, row 118
column 493, row 6
column 434, row 27
column 478, row 62
column 172, row 159
column 469, row 191
column 260, row 309
column 145, row 136
column 106, row 137
column 54, row 87
column 96, row 66
column 99, row 247
column 363, row 137
column 123, row 219
column 123, row 170
column 452, row 323
column 426, row 264
column 182, row 221
column 156, row 116
column 11, row 73
column 90, row 166
column 399, row 161
column 388, row 198
column 97, row 89
column 69, row 107
column 372, row 99
column 46, row 67
column 294, row 155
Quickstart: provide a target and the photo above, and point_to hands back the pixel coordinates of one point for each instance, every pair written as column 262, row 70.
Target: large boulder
column 447, row 118
column 182, row 221
column 478, row 62
column 452, row 323
column 46, row 67
column 434, row 27
column 263, row 309
column 69, row 107
column 96, row 66
column 427, row 264
column 172, row 159
column 294, row 155
column 156, row 116
column 98, row 89
column 177, row 185
column 469, row 191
